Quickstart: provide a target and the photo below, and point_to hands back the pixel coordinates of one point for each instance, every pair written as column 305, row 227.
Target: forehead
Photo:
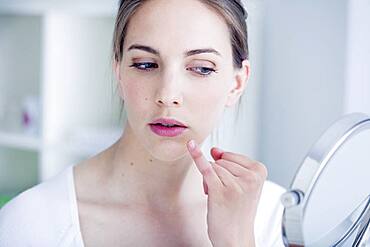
column 175, row 26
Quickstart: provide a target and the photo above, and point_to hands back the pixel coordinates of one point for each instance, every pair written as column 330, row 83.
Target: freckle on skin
column 132, row 163
column 151, row 160
column 146, row 98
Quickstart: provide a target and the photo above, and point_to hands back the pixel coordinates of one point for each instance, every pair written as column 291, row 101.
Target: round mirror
column 328, row 203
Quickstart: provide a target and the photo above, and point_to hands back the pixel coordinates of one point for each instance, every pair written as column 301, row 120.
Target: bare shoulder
column 87, row 177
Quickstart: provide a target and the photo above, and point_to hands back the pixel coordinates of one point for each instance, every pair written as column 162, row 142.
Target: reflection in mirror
column 328, row 203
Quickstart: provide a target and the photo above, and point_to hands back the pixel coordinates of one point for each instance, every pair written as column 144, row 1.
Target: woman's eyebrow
column 187, row 53
column 199, row 51
column 143, row 48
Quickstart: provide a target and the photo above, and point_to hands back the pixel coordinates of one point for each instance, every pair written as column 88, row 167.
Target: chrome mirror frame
column 295, row 200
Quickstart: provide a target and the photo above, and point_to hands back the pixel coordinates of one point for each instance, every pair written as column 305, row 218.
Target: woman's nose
column 169, row 100
column 169, row 94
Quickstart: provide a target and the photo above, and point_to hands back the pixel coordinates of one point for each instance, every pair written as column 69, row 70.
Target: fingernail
column 191, row 144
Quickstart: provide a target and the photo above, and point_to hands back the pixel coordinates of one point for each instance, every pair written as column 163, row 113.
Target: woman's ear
column 239, row 84
column 117, row 69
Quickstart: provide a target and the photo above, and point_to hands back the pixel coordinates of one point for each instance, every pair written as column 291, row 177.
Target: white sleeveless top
column 47, row 215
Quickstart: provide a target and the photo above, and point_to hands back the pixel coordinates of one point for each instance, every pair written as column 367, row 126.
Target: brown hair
column 232, row 11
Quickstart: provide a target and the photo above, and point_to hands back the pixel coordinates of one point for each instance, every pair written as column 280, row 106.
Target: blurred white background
column 310, row 65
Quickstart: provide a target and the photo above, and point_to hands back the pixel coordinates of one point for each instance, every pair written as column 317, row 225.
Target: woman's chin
column 169, row 151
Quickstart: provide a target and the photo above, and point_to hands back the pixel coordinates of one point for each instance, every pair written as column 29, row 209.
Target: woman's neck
column 134, row 175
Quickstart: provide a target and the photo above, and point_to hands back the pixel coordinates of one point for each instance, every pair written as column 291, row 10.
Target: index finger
column 204, row 166
column 196, row 153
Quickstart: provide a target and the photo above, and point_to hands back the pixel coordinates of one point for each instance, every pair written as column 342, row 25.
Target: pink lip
column 168, row 121
column 167, row 131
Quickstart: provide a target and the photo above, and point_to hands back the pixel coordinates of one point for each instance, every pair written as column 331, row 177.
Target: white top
column 47, row 215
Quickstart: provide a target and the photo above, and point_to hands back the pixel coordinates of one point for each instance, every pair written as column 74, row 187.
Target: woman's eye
column 204, row 71
column 145, row 66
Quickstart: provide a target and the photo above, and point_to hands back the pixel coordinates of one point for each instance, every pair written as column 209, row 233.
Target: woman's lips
column 168, row 121
column 162, row 130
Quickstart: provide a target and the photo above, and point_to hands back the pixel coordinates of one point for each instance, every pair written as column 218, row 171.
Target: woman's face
column 172, row 77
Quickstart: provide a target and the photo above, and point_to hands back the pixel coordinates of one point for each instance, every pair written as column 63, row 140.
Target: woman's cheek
column 132, row 91
column 136, row 100
column 208, row 108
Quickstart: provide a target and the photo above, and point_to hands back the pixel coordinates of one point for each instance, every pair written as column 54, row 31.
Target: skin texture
column 146, row 190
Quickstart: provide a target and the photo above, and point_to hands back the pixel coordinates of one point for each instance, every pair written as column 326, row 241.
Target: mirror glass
column 334, row 180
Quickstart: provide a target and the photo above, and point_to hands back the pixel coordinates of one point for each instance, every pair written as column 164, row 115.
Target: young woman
column 178, row 65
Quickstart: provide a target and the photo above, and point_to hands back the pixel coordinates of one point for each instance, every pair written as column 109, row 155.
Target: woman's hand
column 233, row 184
